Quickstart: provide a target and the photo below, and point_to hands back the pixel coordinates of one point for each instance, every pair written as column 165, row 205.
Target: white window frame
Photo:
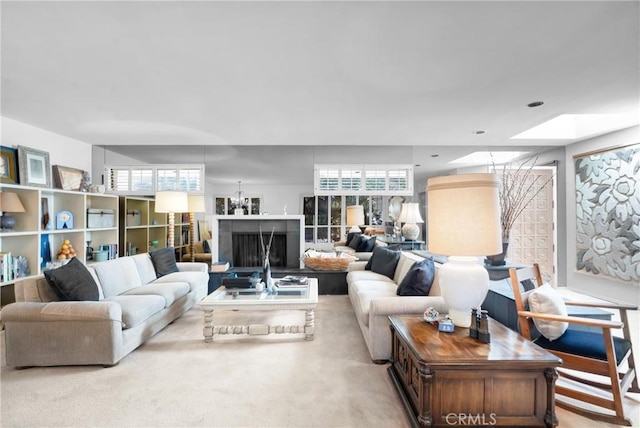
column 184, row 177
column 355, row 179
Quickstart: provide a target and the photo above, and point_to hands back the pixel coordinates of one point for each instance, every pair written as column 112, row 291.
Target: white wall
column 62, row 150
column 598, row 286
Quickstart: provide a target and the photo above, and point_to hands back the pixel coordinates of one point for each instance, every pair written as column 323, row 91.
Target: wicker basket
column 327, row 263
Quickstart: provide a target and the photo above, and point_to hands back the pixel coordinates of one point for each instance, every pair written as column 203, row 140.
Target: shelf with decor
column 50, row 219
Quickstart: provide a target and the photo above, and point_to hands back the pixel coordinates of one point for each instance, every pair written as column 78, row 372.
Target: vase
column 266, row 275
column 498, row 259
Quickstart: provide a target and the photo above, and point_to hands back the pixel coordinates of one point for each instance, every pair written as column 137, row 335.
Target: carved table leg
column 207, row 331
column 550, row 419
column 308, row 324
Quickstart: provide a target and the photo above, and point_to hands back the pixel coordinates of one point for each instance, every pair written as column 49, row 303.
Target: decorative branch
column 519, row 188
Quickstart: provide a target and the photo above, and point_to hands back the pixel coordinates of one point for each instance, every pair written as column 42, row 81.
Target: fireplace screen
column 247, row 250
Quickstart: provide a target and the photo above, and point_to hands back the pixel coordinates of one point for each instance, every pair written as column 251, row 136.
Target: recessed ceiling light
column 573, row 126
column 535, row 104
column 435, row 155
column 479, row 132
column 486, row 158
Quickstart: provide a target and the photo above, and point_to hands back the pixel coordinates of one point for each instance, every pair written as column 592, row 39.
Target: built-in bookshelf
column 53, row 216
column 144, row 230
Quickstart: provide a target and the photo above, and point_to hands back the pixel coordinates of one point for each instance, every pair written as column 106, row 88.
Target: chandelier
column 240, row 202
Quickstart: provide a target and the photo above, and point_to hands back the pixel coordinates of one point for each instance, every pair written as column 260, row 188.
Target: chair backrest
column 520, row 294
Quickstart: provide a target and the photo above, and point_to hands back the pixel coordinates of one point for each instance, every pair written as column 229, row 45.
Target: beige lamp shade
column 464, row 215
column 196, row 203
column 170, row 201
column 355, row 215
column 10, row 203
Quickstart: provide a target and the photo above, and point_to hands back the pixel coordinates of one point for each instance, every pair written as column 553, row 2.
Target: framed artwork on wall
column 608, row 213
column 34, row 167
column 8, row 165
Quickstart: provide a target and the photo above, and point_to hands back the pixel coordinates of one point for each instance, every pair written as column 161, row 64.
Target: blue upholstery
column 585, row 344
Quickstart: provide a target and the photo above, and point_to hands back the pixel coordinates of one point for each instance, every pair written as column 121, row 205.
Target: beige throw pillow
column 546, row 300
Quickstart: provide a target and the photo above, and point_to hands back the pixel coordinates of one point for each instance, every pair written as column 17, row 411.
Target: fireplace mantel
column 223, row 225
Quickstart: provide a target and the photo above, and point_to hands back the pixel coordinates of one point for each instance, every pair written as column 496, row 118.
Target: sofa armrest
column 61, row 311
column 357, row 265
column 192, row 267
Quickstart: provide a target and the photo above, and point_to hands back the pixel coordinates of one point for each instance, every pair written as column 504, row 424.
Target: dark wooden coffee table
column 447, row 379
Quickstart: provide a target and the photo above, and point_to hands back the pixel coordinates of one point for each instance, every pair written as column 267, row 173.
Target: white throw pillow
column 546, row 300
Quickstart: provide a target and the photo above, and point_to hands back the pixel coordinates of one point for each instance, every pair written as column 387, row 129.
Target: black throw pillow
column 73, row 282
column 355, row 241
column 418, row 281
column 205, row 246
column 384, row 261
column 366, row 245
column 164, row 261
column 350, row 237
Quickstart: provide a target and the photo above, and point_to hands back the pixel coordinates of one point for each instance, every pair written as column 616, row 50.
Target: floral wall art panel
column 608, row 213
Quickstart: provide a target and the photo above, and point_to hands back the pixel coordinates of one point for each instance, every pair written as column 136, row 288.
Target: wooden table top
column 434, row 347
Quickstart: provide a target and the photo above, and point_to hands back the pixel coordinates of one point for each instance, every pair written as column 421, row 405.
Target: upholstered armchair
column 201, row 251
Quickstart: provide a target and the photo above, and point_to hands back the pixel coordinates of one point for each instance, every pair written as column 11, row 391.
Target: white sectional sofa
column 374, row 298
column 133, row 305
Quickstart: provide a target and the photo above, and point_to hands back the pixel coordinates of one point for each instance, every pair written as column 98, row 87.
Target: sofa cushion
column 366, row 244
column 117, row 276
column 383, row 261
column 73, row 282
column 355, row 241
column 170, row 291
column 546, row 300
column 137, row 309
column 350, row 237
column 367, row 275
column 418, row 281
column 195, row 279
column 164, row 261
column 146, row 271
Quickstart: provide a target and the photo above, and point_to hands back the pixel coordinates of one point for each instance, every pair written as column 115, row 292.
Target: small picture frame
column 34, row 169
column 8, row 165
column 64, row 220
column 66, row 178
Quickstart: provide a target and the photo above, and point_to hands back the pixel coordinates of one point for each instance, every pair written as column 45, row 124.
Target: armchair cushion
column 73, row 281
column 586, row 344
column 164, row 261
column 418, row 281
column 545, row 300
column 205, row 246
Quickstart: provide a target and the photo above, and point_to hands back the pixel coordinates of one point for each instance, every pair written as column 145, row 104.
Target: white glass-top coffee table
column 286, row 298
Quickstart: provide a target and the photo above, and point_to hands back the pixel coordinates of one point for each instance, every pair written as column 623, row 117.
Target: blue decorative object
column 64, row 220
column 45, row 250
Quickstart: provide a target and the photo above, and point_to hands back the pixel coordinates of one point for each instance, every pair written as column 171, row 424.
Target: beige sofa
column 374, row 298
column 133, row 306
column 342, row 246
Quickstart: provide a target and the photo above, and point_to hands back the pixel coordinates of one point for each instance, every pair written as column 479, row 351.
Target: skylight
column 575, row 126
column 487, row 158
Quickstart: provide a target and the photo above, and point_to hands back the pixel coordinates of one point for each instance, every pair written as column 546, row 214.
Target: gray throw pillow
column 355, row 241
column 383, row 261
column 205, row 246
column 164, row 261
column 418, row 281
column 73, row 282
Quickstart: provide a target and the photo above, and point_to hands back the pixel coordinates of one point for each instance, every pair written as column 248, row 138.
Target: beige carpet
column 177, row 380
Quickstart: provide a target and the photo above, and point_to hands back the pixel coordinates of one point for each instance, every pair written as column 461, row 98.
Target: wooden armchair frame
column 620, row 373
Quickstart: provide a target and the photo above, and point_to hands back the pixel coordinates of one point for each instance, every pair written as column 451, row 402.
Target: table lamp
column 196, row 205
column 9, row 203
column 170, row 201
column 463, row 223
column 355, row 217
column 410, row 216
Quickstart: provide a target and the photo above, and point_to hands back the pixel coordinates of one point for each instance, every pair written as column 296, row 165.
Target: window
column 363, row 179
column 147, row 179
column 325, row 216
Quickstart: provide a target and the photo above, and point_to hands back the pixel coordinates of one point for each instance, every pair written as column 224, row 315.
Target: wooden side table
column 447, row 379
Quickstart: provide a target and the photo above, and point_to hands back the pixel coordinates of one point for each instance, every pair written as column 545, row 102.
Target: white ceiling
column 418, row 76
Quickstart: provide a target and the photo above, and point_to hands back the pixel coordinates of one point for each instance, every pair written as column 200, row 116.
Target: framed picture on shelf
column 8, row 165
column 34, row 169
column 66, row 178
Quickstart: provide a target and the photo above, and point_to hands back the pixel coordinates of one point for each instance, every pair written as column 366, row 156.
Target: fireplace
column 236, row 239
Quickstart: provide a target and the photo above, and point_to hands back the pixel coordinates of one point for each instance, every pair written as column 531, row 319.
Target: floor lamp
column 463, row 213
column 196, row 205
column 170, row 202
